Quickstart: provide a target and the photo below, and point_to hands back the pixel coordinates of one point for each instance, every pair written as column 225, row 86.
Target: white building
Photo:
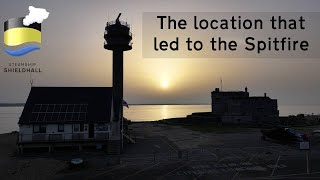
column 66, row 116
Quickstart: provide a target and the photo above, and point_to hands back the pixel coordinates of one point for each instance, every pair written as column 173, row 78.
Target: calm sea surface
column 9, row 115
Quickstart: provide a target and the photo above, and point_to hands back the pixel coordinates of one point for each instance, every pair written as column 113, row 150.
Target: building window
column 60, row 127
column 102, row 127
column 77, row 127
column 39, row 128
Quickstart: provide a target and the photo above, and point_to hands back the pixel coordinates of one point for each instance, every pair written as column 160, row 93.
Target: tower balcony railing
column 121, row 22
column 128, row 33
column 118, row 43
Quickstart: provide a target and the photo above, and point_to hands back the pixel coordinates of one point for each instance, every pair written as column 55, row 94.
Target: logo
column 22, row 35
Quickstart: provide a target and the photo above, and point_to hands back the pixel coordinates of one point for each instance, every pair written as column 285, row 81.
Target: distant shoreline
column 167, row 104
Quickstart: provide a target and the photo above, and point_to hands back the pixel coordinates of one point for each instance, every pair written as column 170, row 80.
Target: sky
column 72, row 54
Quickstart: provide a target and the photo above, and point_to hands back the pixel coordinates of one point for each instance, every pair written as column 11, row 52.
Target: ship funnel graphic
column 22, row 35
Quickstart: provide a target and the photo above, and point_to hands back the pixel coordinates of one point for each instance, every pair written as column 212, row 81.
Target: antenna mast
column 221, row 83
column 31, row 80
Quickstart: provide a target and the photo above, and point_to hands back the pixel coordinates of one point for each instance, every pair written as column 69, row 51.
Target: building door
column 91, row 130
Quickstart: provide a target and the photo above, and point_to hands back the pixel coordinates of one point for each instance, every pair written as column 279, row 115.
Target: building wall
column 236, row 119
column 220, row 100
column 239, row 108
column 265, row 110
column 261, row 109
column 26, row 131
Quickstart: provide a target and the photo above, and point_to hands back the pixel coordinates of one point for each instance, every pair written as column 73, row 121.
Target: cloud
column 35, row 15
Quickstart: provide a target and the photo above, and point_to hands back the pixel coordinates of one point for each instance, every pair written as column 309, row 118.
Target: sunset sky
column 72, row 54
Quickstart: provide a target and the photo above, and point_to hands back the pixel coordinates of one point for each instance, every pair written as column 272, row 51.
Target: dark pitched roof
column 67, row 105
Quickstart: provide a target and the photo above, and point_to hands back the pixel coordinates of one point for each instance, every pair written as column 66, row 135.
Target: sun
column 165, row 84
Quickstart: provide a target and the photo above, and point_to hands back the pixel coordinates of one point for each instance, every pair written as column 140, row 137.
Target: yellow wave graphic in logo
column 21, row 35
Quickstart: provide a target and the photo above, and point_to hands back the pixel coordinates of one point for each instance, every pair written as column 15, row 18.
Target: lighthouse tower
column 117, row 39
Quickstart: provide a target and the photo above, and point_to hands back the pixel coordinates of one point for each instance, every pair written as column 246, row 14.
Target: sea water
column 9, row 116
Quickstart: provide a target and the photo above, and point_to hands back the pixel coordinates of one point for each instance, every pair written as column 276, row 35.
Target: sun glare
column 164, row 84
